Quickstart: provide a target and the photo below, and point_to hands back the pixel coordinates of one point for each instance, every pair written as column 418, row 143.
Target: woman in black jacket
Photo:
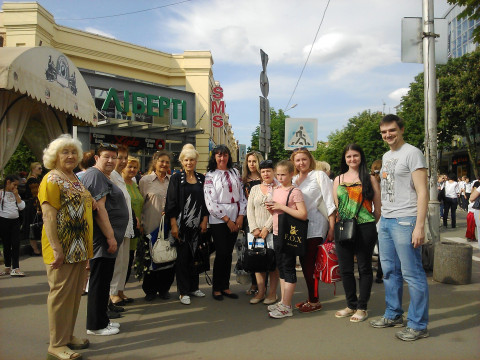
column 185, row 209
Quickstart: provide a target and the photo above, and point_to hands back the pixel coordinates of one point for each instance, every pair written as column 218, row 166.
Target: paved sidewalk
column 234, row 329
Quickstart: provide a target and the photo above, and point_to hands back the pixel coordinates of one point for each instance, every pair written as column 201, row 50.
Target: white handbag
column 162, row 251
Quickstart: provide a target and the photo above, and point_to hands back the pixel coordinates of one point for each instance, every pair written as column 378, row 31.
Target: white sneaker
column 185, row 299
column 198, row 293
column 114, row 324
column 281, row 311
column 273, row 307
column 109, row 330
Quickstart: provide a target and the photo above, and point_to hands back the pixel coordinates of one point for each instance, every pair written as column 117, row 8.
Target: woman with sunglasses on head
column 261, row 225
column 227, row 205
column 316, row 188
column 355, row 191
column 250, row 178
column 153, row 188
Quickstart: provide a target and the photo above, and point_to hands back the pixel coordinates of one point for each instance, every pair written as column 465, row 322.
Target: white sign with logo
column 300, row 133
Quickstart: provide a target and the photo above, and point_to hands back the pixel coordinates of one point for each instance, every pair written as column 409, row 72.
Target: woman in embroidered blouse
column 354, row 192
column 316, row 188
column 227, row 205
column 66, row 242
column 188, row 216
column 250, row 178
column 153, row 188
column 130, row 171
column 261, row 225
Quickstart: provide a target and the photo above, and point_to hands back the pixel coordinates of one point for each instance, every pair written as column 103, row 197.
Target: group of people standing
column 97, row 221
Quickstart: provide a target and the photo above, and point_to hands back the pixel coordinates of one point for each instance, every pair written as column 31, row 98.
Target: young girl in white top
column 10, row 204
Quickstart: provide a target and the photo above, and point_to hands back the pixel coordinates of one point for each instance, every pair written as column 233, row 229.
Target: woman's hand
column 264, row 233
column 256, row 232
column 204, row 226
column 232, row 226
column 112, row 245
column 239, row 222
column 275, row 206
column 174, row 231
column 94, row 204
column 59, row 257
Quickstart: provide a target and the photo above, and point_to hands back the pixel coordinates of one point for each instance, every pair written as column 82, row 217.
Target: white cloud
column 398, row 94
column 99, row 32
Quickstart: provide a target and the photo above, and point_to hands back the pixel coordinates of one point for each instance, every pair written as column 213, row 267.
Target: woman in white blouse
column 317, row 193
column 226, row 204
column 261, row 225
column 452, row 191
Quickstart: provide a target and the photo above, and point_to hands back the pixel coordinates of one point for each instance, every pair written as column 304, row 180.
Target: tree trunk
column 471, row 150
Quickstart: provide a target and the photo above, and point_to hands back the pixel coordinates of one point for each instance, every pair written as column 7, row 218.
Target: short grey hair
column 50, row 153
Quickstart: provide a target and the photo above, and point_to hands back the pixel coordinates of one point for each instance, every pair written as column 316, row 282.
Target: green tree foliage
column 20, row 160
column 362, row 130
column 471, row 11
column 458, row 106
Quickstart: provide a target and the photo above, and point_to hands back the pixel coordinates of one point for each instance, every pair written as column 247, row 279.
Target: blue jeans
column 400, row 260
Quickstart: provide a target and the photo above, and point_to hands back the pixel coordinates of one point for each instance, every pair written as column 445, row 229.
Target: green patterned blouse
column 137, row 206
column 349, row 196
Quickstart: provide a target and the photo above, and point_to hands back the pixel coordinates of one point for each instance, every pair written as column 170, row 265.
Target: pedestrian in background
column 66, row 243
column 10, row 205
column 476, row 206
column 404, row 197
column 375, row 172
column 187, row 214
column 356, row 194
column 452, row 194
column 32, row 212
column 227, row 206
column 316, row 188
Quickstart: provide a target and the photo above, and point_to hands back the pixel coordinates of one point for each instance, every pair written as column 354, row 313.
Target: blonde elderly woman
column 66, row 243
column 188, row 216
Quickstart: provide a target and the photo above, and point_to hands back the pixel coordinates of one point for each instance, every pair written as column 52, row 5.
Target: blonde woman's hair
column 313, row 164
column 133, row 159
column 33, row 166
column 323, row 166
column 50, row 153
column 188, row 152
column 245, row 171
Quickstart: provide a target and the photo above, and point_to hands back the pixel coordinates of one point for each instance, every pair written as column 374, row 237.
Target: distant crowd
column 98, row 221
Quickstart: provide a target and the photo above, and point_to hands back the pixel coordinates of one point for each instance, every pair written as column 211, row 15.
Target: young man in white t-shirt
column 401, row 233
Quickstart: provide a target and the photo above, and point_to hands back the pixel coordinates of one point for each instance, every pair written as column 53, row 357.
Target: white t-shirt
column 399, row 197
column 452, row 190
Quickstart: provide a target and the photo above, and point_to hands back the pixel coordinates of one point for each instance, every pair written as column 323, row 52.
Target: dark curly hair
column 219, row 149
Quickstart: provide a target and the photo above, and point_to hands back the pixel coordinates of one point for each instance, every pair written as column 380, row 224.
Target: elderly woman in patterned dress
column 66, row 243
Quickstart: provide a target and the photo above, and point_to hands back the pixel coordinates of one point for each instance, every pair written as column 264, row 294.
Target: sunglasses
column 300, row 148
column 108, row 146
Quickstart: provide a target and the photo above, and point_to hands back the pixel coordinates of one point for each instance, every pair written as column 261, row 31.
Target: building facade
column 147, row 99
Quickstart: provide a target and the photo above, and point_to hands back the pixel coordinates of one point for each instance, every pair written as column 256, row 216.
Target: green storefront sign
column 155, row 105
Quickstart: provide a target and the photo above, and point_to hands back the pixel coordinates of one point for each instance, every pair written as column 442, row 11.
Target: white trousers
column 121, row 267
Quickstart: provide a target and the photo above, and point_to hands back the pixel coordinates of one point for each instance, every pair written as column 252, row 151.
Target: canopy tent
column 40, row 89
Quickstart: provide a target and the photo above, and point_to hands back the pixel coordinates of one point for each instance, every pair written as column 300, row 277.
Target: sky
column 354, row 63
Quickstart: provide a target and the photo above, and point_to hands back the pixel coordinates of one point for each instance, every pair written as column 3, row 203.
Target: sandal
column 344, row 313
column 360, row 315
column 5, row 272
column 17, row 272
column 251, row 291
column 64, row 353
column 78, row 343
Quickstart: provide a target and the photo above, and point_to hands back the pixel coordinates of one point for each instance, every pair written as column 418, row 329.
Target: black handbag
column 259, row 259
column 201, row 256
column 346, row 229
column 292, row 232
column 35, row 231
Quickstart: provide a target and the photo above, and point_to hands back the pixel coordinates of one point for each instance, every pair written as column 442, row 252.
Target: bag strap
column 288, row 197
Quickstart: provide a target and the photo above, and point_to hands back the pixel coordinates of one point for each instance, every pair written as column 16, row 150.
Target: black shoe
column 164, row 296
column 379, row 281
column 150, row 297
column 113, row 307
column 230, row 295
column 113, row 314
column 217, row 297
column 128, row 300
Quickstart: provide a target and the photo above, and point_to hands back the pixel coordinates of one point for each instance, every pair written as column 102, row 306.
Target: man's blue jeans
column 400, row 260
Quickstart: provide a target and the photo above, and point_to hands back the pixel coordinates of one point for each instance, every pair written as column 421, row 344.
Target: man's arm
column 103, row 222
column 419, row 178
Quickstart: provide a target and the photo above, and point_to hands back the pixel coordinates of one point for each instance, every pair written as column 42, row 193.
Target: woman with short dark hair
column 227, row 205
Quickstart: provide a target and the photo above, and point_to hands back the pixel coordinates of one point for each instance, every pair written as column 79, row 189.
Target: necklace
column 75, row 185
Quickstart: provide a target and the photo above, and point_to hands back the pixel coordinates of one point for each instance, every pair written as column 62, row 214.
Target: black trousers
column 10, row 234
column 450, row 204
column 187, row 278
column 158, row 281
column 224, row 241
column 131, row 257
column 362, row 247
column 101, row 272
